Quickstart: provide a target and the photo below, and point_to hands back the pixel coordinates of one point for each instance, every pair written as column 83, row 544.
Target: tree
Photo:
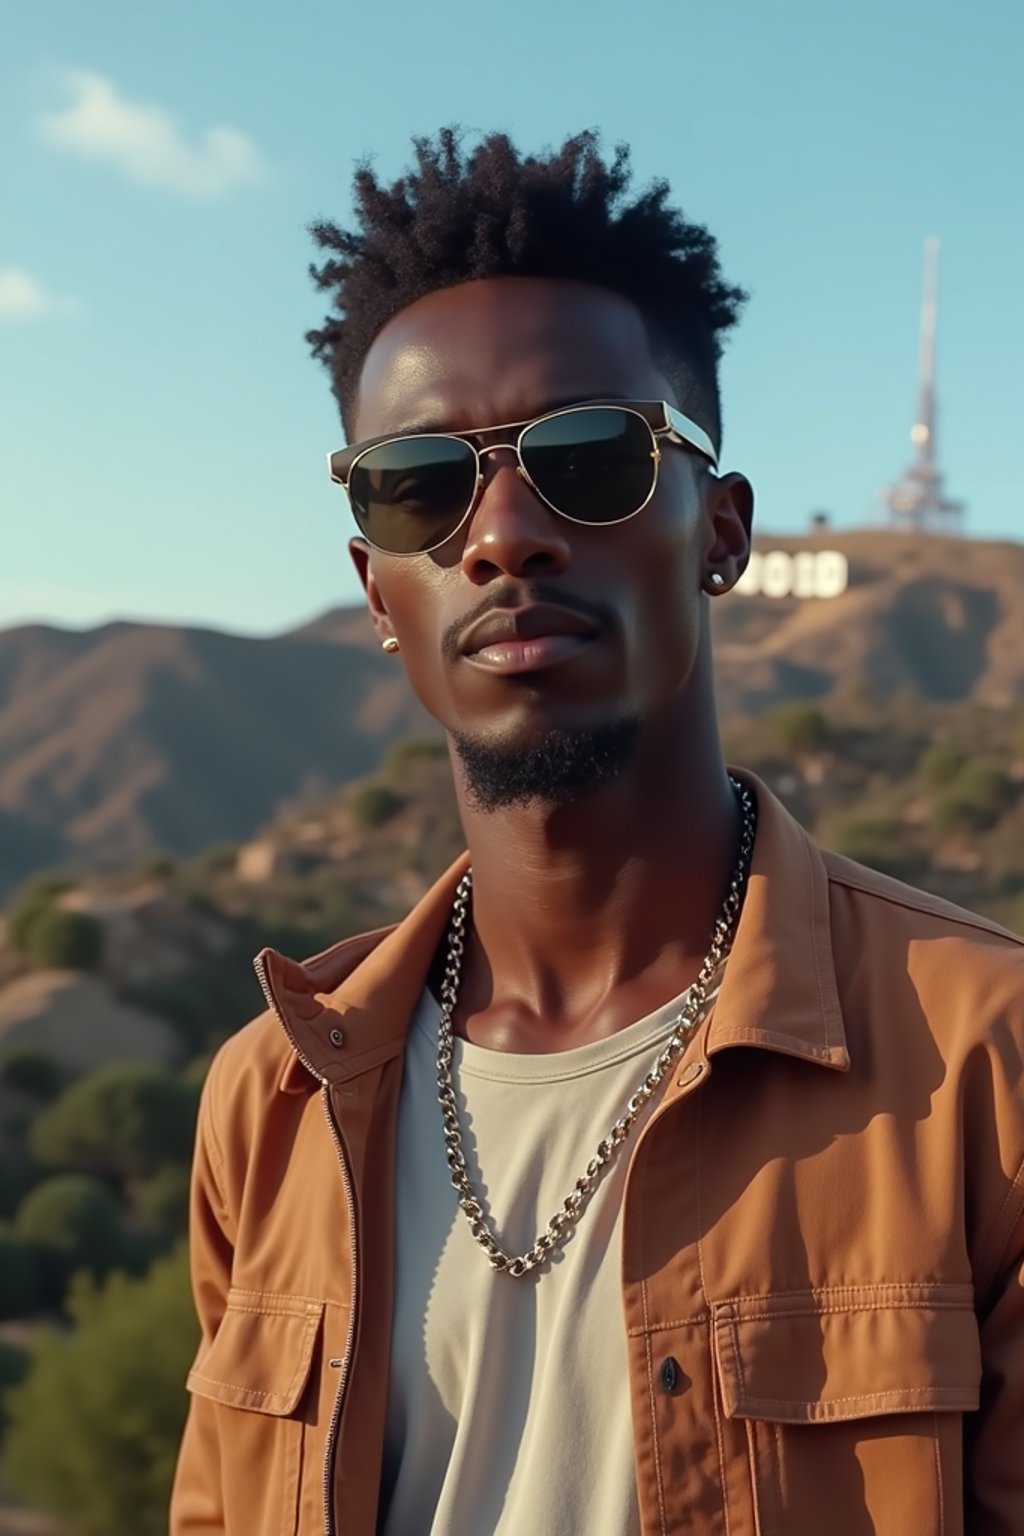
column 879, row 841
column 801, row 728
column 940, row 763
column 14, row 1363
column 123, row 1121
column 96, row 1424
column 418, row 749
column 64, row 941
column 33, row 1073
column 974, row 800
column 162, row 1199
column 31, row 902
column 374, row 804
column 17, row 1275
column 71, row 1222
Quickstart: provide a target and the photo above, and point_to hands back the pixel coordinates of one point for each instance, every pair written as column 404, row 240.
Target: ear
column 360, row 552
column 729, row 508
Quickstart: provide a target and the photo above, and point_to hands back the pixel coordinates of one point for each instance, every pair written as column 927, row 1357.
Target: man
column 773, row 1097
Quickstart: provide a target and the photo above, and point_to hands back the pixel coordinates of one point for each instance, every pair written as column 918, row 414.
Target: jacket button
column 336, row 1037
column 669, row 1374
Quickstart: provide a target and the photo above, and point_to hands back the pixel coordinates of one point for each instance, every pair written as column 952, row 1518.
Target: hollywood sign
column 808, row 573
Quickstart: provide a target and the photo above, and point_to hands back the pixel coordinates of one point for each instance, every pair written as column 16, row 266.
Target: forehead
column 503, row 349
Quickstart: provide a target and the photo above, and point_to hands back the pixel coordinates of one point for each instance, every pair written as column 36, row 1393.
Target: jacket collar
column 348, row 1009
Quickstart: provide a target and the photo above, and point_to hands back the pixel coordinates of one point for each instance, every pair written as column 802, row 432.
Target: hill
column 130, row 738
column 937, row 619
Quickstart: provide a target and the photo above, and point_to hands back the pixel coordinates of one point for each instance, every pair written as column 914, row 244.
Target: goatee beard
column 557, row 770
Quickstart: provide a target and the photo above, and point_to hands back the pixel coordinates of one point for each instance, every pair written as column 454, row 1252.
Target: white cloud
column 23, row 297
column 146, row 143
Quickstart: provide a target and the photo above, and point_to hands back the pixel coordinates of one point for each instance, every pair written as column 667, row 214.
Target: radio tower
column 917, row 501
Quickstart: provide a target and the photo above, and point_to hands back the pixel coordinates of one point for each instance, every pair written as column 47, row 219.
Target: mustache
column 521, row 597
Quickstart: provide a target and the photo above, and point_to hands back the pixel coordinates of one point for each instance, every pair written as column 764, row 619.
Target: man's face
column 506, row 350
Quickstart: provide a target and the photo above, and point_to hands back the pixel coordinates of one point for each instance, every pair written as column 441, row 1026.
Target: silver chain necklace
column 562, row 1224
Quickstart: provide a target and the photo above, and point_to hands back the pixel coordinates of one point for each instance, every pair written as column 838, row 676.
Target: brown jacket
column 822, row 1251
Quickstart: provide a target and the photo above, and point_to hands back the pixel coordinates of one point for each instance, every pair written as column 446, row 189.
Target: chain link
column 563, row 1222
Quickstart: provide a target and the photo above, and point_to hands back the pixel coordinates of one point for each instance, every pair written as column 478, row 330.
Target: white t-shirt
column 508, row 1405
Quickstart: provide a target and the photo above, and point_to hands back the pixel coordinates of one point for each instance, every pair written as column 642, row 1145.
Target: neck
column 589, row 915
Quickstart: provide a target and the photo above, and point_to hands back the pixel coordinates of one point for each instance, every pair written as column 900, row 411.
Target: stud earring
column 717, row 580
column 390, row 645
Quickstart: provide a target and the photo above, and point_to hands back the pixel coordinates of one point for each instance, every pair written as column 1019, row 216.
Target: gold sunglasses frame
column 675, row 428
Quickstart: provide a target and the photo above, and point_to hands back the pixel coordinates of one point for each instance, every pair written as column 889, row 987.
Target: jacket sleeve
column 197, row 1507
column 995, row 1480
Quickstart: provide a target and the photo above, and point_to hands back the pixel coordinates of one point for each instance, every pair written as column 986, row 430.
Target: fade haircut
column 493, row 212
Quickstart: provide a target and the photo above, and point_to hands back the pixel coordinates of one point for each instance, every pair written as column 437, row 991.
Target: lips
column 540, row 621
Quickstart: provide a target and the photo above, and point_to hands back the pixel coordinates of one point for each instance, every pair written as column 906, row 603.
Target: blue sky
column 163, row 429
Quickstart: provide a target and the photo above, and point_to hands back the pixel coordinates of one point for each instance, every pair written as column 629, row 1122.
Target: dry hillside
column 129, row 737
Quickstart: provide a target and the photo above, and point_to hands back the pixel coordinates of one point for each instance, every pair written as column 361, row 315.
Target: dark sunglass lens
column 595, row 465
column 411, row 494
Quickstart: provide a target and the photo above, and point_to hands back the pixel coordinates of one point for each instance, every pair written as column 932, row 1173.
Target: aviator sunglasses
column 595, row 464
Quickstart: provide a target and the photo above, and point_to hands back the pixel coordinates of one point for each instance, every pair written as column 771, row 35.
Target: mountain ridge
column 129, row 737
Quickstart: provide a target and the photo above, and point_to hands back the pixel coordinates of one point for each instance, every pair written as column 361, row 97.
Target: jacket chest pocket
column 259, row 1377
column 851, row 1401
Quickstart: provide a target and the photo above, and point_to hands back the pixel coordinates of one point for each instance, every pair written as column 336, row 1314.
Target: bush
column 208, row 1002
column 72, row 1222
column 162, row 1200
column 34, row 1073
column 14, row 1364
column 220, row 859
column 96, row 1424
column 940, row 763
column 374, row 804
column 404, row 754
column 158, row 866
column 32, row 901
column 17, row 1275
column 64, row 941
column 974, row 800
column 801, row 728
column 878, row 841
column 122, row 1121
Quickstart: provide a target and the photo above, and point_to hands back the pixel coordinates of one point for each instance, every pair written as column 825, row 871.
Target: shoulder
column 904, row 925
column 914, row 911
column 907, row 949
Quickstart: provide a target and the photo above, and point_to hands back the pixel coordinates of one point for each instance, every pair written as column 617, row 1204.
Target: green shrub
column 32, row 901
column 34, row 1073
column 801, row 728
column 974, row 800
column 220, row 859
column 374, row 804
column 209, row 1001
column 17, row 1275
column 123, row 1121
column 878, row 841
column 162, row 1199
column 404, row 754
column 72, row 1222
column 64, row 941
column 158, row 866
column 940, row 763
column 194, row 1073
column 96, row 1424
column 14, row 1364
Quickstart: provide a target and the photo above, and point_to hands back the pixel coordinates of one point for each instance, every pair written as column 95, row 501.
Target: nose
column 511, row 531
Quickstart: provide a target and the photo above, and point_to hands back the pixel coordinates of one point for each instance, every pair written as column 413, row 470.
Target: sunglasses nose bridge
column 521, row 469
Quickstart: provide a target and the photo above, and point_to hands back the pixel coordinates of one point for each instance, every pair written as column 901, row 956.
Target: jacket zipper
column 339, row 1146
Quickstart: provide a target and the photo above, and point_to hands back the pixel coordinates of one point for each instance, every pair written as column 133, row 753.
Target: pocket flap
column 849, row 1353
column 260, row 1356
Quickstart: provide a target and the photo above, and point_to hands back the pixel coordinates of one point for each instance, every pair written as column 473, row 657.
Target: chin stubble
column 557, row 770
